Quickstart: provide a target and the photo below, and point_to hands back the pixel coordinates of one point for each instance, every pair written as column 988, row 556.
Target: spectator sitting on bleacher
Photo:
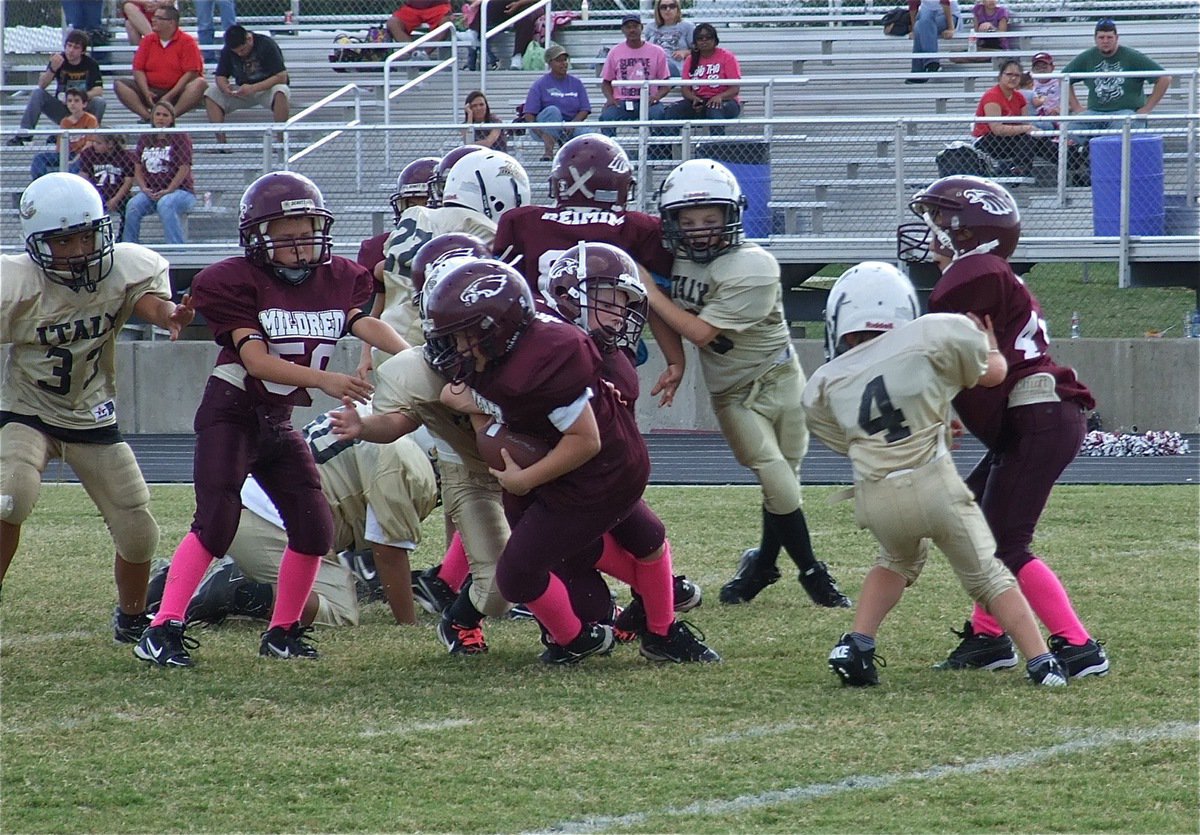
column 70, row 69
column 670, row 31
column 1047, row 92
column 164, row 175
column 109, row 166
column 476, row 112
column 501, row 10
column 77, row 119
column 138, row 15
column 990, row 16
column 1114, row 96
column 204, row 21
column 259, row 77
column 929, row 20
column 84, row 15
column 1010, row 141
column 167, row 68
column 633, row 60
column 413, row 13
column 557, row 96
column 707, row 60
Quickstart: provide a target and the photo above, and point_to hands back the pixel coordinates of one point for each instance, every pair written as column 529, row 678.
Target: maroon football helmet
column 592, row 170
column 285, row 194
column 590, row 278
column 489, row 303
column 412, row 184
column 439, row 253
column 437, row 180
column 960, row 215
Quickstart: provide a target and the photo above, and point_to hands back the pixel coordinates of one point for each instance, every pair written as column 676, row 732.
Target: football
column 524, row 450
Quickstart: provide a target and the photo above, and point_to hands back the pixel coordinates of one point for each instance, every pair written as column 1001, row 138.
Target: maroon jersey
column 620, row 374
column 986, row 286
column 300, row 323
column 539, row 234
column 552, row 367
column 370, row 252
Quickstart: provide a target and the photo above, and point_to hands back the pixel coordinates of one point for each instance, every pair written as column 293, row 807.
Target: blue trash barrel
column 750, row 162
column 1145, row 185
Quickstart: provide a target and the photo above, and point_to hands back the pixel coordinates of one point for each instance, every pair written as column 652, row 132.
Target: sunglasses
column 704, row 37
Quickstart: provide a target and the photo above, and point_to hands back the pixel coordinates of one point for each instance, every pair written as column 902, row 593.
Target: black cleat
column 227, row 591
column 683, row 643
column 459, row 639
column 1049, row 673
column 367, row 585
column 595, row 639
column 1088, row 659
column 979, row 652
column 431, row 592
column 749, row 579
column 128, row 629
column 632, row 619
column 166, row 645
column 288, row 642
column 822, row 589
column 855, row 667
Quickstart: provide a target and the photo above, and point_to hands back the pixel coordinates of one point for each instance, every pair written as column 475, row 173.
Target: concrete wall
column 1147, row 383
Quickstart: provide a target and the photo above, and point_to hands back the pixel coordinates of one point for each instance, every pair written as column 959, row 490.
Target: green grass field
column 387, row 733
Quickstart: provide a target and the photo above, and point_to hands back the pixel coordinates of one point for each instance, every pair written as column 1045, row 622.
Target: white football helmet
column 60, row 204
column 490, row 182
column 700, row 182
column 871, row 296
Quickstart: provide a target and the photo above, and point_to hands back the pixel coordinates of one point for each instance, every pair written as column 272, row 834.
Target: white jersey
column 61, row 365
column 738, row 293
column 418, row 225
column 886, row 402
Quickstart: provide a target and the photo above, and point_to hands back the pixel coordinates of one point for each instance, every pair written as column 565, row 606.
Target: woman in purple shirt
column 164, row 177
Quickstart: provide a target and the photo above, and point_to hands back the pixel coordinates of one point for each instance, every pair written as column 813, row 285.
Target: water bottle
column 208, row 199
column 1075, row 325
column 583, row 10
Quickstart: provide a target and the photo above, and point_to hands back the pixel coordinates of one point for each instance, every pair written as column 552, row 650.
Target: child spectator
column 1047, row 92
column 164, row 177
column 109, row 166
column 76, row 119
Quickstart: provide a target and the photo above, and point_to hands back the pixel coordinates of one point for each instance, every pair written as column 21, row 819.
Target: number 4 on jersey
column 875, row 400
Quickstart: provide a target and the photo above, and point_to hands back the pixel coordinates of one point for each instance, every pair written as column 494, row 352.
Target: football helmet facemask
column 285, row 194
column 412, row 184
column 475, row 312
column 61, row 204
column 696, row 183
column 960, row 215
column 596, row 278
column 488, row 182
column 871, row 296
column 593, row 171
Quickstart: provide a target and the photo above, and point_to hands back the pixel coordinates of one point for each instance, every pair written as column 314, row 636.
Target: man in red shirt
column 166, row 67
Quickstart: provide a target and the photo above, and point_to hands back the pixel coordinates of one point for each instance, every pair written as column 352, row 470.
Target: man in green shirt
column 1115, row 95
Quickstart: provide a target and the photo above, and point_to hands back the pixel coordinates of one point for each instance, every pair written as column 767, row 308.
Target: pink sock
column 297, row 573
column 656, row 585
column 1050, row 602
column 187, row 569
column 616, row 562
column 982, row 623
column 553, row 610
column 454, row 568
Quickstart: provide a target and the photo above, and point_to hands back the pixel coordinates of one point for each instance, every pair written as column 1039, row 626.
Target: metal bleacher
column 840, row 148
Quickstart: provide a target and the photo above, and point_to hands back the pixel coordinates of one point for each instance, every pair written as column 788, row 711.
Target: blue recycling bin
column 750, row 162
column 1146, row 210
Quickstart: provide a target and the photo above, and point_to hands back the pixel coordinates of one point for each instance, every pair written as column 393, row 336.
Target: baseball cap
column 554, row 51
column 1106, row 24
column 631, row 18
column 1043, row 57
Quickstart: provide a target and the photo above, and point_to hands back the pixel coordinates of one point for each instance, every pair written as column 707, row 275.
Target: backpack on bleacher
column 896, row 22
column 964, row 158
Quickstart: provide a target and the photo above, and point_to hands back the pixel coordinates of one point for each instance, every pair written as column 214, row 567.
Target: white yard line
column 812, row 791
